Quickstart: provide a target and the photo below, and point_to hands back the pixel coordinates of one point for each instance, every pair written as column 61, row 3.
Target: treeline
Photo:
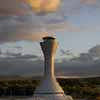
column 78, row 88
column 18, row 87
column 82, row 88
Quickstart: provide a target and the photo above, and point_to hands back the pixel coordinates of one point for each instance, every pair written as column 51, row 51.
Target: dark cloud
column 95, row 51
column 31, row 65
column 76, row 68
column 92, row 55
column 13, row 7
column 29, row 27
column 14, row 26
column 16, row 66
column 90, row 2
column 86, row 64
column 84, row 58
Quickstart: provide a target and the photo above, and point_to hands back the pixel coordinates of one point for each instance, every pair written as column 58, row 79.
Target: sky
column 74, row 20
column 75, row 23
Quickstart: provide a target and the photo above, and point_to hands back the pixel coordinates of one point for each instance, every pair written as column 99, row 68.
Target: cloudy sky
column 75, row 23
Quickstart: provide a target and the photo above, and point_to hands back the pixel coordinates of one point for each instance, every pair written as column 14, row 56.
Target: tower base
column 52, row 97
column 50, row 89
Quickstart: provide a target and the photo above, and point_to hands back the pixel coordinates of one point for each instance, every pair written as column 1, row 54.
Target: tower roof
column 48, row 37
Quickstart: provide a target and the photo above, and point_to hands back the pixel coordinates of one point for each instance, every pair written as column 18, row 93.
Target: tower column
column 49, row 67
column 49, row 47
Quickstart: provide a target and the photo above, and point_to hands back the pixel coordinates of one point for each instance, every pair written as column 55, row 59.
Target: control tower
column 49, row 88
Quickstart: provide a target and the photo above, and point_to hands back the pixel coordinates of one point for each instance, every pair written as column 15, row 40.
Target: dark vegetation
column 88, row 88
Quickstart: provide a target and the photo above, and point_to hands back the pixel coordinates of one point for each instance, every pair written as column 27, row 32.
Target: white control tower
column 49, row 88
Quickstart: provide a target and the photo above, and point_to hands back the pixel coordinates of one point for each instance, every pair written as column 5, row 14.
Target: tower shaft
column 49, row 47
column 49, row 67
